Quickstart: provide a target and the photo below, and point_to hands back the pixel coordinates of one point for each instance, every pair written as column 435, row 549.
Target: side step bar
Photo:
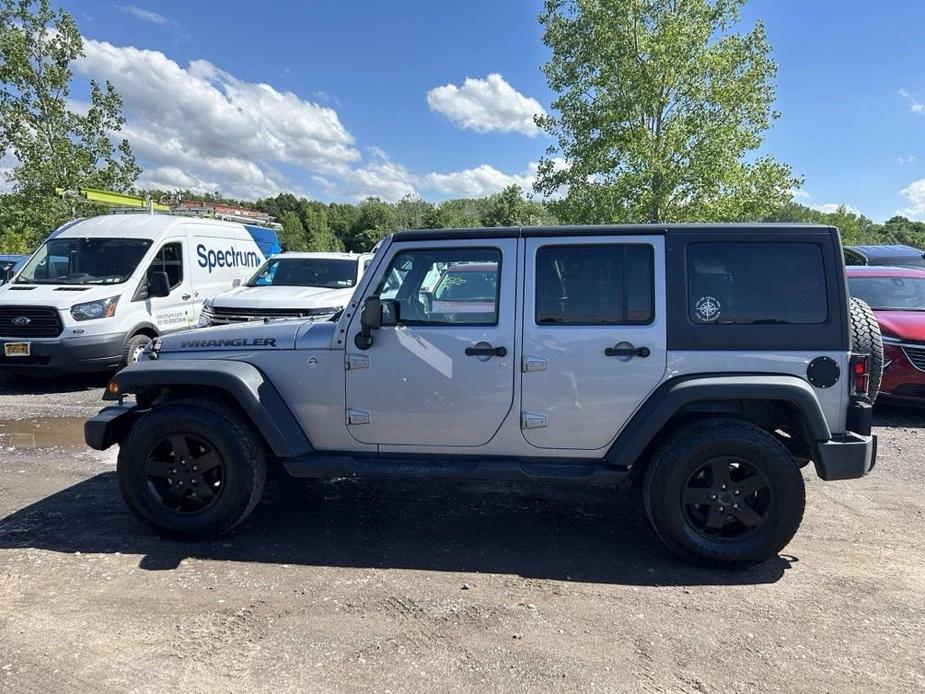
column 322, row 465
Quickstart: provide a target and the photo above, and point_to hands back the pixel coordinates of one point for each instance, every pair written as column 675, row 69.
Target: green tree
column 318, row 232
column 376, row 219
column 54, row 145
column 659, row 106
column 509, row 208
column 292, row 236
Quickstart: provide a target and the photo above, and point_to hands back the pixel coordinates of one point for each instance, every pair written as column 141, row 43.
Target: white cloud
column 833, row 207
column 215, row 127
column 915, row 200
column 915, row 105
column 482, row 180
column 799, row 194
column 146, row 15
column 486, row 105
column 911, row 159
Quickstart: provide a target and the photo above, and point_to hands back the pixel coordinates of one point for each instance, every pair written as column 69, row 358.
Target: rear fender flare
column 676, row 394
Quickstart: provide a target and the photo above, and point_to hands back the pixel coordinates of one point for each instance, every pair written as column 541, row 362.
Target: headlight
column 325, row 311
column 205, row 315
column 102, row 308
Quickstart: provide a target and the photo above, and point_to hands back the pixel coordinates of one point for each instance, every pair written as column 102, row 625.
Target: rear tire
column 866, row 339
column 192, row 469
column 745, row 522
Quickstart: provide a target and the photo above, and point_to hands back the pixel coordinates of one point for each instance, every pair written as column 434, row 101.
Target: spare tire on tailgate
column 866, row 339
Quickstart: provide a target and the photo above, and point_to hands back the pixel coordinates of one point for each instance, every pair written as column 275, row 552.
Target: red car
column 897, row 296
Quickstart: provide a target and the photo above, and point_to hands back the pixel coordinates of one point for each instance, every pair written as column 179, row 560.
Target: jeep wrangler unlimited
column 704, row 364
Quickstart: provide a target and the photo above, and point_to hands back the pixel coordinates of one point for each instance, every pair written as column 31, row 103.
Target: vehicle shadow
column 572, row 534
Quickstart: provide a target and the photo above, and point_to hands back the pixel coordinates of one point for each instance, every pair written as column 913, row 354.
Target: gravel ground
column 441, row 586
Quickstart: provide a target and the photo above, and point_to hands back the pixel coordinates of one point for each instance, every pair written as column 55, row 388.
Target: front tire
column 133, row 349
column 192, row 469
column 724, row 493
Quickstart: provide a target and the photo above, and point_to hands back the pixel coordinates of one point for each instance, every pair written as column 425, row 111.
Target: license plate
column 17, row 349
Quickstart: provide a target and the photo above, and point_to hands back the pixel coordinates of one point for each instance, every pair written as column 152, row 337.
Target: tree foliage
column 54, row 143
column 660, row 105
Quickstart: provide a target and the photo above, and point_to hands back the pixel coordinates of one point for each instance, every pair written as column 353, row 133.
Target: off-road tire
column 690, row 447
column 132, row 346
column 866, row 339
column 234, row 439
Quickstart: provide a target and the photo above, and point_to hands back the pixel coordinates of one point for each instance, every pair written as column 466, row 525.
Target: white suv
column 290, row 285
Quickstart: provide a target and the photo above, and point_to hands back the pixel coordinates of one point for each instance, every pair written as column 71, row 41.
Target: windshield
column 84, row 261
column 330, row 273
column 886, row 293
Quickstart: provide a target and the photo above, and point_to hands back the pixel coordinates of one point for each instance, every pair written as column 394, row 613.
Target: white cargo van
column 100, row 289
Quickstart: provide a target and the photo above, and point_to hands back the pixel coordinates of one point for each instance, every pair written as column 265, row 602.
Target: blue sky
column 338, row 100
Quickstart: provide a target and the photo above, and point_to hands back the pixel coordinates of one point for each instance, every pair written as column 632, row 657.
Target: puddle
column 42, row 432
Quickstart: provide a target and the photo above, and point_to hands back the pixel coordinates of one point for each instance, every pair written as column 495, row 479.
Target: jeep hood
column 905, row 325
column 271, row 335
column 283, row 297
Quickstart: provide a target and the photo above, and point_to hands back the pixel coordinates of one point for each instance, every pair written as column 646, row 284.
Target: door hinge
column 532, row 420
column 355, row 416
column 356, row 361
column 529, row 364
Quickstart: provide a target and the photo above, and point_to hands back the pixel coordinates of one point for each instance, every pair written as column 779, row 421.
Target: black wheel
column 193, row 469
column 866, row 339
column 724, row 493
column 133, row 348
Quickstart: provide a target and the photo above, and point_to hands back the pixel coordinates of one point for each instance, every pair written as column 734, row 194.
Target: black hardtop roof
column 603, row 230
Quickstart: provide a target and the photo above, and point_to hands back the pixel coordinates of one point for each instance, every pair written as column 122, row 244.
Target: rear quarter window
column 756, row 283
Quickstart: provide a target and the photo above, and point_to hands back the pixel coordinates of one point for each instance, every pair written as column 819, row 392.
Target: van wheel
column 192, row 469
column 724, row 493
column 133, row 349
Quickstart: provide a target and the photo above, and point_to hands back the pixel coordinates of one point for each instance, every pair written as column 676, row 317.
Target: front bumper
column 852, row 454
column 67, row 355
column 110, row 425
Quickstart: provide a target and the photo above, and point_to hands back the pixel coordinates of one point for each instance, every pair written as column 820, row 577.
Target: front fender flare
column 243, row 382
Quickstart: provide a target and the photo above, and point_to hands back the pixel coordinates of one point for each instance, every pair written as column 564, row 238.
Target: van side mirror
column 236, row 283
column 158, row 283
column 7, row 275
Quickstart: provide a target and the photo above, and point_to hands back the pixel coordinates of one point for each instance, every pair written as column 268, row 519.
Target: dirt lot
column 441, row 586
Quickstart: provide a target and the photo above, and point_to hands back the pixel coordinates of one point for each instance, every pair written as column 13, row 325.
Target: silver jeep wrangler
column 704, row 364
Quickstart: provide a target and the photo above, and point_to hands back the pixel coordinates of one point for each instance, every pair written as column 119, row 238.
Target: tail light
column 860, row 374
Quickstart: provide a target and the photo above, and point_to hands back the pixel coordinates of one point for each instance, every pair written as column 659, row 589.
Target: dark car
column 897, row 296
column 10, row 263
column 885, row 256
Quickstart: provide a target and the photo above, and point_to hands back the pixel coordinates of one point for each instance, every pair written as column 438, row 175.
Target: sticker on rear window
column 708, row 308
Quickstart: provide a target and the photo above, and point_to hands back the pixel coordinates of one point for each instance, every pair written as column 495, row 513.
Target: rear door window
column 756, row 284
column 595, row 285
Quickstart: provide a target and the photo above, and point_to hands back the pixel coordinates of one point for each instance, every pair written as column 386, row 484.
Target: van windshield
column 84, row 261
column 330, row 273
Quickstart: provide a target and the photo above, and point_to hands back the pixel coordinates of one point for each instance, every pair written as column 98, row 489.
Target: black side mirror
column 6, row 275
column 158, row 283
column 370, row 319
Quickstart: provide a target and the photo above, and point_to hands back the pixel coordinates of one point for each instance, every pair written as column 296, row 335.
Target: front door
column 175, row 311
column 444, row 375
column 594, row 336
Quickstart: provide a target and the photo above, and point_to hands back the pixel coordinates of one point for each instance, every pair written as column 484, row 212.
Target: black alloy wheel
column 185, row 473
column 726, row 498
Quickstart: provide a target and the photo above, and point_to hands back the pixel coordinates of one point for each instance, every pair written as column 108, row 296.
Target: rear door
column 594, row 336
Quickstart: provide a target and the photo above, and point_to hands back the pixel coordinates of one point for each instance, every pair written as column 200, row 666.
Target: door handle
column 486, row 351
column 186, row 297
column 627, row 351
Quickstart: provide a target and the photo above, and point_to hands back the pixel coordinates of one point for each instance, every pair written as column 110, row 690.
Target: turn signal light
column 113, row 388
